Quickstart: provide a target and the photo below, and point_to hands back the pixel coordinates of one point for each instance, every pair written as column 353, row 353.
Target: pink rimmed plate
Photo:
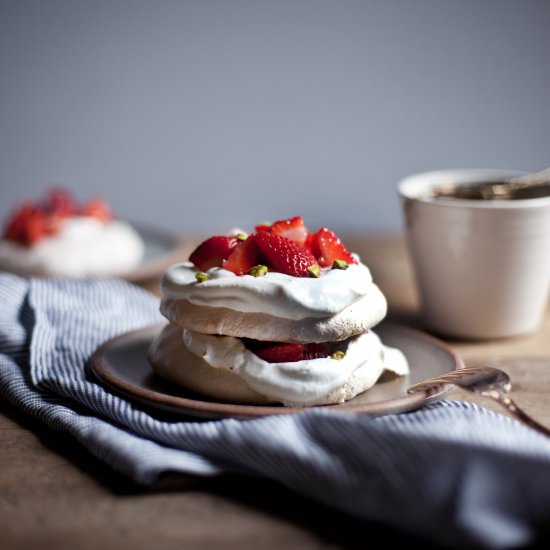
column 163, row 248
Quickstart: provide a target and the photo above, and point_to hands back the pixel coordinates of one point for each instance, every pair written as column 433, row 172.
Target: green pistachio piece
column 314, row 270
column 201, row 277
column 340, row 264
column 258, row 270
column 241, row 236
column 338, row 355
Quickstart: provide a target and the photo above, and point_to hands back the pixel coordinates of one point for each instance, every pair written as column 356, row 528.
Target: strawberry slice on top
column 328, row 247
column 293, row 229
column 213, row 251
column 60, row 201
column 27, row 225
column 285, row 255
column 97, row 208
column 244, row 257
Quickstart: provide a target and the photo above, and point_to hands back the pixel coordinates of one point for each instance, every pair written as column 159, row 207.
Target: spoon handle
column 536, row 177
column 519, row 414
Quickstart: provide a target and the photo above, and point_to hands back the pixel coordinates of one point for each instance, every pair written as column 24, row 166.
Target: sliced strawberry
column 244, row 257
column 213, row 251
column 285, row 255
column 53, row 222
column 309, row 242
column 35, row 228
column 262, row 227
column 293, row 229
column 328, row 247
column 280, row 353
column 61, row 202
column 13, row 230
column 27, row 225
column 283, row 352
column 97, row 208
column 316, row 351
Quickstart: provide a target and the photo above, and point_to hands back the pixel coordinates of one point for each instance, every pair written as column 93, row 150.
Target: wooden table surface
column 54, row 495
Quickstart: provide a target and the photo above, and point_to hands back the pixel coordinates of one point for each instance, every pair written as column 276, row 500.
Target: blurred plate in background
column 162, row 249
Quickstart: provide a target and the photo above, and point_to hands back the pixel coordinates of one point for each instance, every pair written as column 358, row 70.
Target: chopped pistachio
column 340, row 264
column 258, row 270
column 265, row 223
column 338, row 355
column 201, row 277
column 241, row 236
column 314, row 270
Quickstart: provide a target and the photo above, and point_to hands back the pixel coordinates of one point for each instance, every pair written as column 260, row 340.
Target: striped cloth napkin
column 451, row 472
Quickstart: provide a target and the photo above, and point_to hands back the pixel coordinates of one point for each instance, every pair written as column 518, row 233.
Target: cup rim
column 415, row 186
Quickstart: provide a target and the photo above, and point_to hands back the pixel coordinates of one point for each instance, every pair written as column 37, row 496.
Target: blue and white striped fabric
column 452, row 472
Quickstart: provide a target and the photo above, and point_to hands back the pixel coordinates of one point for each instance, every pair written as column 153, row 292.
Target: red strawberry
column 54, row 222
column 328, row 247
column 13, row 230
column 283, row 352
column 285, row 255
column 262, row 227
column 97, row 208
column 244, row 257
column 36, row 228
column 316, row 351
column 213, row 251
column 309, row 242
column 293, row 229
column 61, row 202
column 27, row 225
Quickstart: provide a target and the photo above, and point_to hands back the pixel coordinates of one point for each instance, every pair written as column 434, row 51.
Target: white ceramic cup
column 482, row 267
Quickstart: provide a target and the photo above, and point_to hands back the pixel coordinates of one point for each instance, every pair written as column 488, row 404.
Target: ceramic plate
column 162, row 249
column 122, row 365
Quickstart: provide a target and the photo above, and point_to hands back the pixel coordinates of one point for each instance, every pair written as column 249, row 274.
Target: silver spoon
column 486, row 381
column 529, row 186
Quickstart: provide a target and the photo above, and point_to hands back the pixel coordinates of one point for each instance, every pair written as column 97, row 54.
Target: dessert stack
column 282, row 315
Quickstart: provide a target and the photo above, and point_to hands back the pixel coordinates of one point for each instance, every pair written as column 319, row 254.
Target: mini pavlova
column 282, row 315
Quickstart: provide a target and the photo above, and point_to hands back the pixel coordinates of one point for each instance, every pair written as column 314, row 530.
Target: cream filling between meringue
column 301, row 383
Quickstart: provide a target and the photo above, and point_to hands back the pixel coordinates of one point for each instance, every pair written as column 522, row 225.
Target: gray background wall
column 219, row 113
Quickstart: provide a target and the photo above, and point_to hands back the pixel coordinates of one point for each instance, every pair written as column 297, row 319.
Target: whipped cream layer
column 301, row 383
column 277, row 294
column 84, row 247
